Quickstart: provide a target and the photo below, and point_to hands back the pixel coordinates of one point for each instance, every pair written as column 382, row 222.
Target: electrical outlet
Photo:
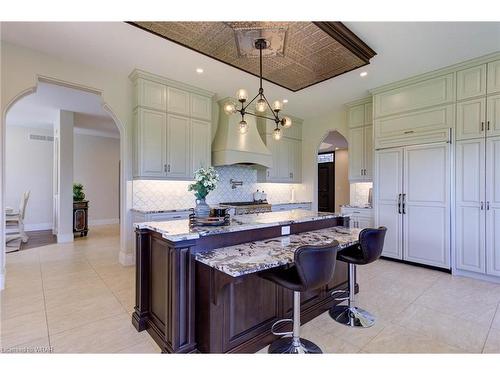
column 285, row 230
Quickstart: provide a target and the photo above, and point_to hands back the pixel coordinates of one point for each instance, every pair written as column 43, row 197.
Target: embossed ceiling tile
column 300, row 54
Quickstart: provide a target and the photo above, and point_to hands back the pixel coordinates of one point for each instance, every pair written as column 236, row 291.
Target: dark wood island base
column 187, row 306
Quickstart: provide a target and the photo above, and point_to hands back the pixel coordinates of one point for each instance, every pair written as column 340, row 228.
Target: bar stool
column 314, row 267
column 369, row 249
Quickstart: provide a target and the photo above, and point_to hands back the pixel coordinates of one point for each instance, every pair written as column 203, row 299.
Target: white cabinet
column 477, row 228
column 361, row 154
column 290, row 206
column 356, row 116
column 150, row 142
column 471, row 119
column 141, row 217
column 172, row 128
column 493, row 84
column 471, row 82
column 470, row 223
column 358, row 217
column 493, row 115
column 412, row 201
column 178, row 150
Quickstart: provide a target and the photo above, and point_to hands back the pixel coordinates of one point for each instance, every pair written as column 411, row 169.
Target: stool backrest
column 315, row 264
column 371, row 241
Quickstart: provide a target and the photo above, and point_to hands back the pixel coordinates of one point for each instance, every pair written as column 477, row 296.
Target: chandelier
column 261, row 103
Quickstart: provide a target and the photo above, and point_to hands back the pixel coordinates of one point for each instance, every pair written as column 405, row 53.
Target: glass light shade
column 229, row 108
column 286, row 122
column 242, row 95
column 277, row 134
column 243, row 127
column 277, row 106
column 261, row 105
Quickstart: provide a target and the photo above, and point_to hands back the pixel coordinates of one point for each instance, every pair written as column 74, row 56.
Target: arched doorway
column 125, row 257
column 333, row 180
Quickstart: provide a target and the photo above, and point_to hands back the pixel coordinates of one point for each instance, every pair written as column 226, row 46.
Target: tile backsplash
column 161, row 194
column 359, row 193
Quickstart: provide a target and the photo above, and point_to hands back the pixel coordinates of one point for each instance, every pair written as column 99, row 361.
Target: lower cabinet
column 290, row 206
column 361, row 154
column 358, row 217
column 477, row 206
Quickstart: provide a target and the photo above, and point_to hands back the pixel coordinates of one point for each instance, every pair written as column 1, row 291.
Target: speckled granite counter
column 256, row 256
column 179, row 230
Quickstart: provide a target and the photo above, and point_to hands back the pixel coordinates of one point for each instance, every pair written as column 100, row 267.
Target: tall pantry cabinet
column 477, row 226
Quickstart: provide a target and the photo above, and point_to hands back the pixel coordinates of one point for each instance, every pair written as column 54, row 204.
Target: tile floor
column 77, row 298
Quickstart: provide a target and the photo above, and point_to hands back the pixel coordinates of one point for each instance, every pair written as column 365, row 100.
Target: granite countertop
column 284, row 203
column 180, row 230
column 251, row 257
column 365, row 207
column 160, row 211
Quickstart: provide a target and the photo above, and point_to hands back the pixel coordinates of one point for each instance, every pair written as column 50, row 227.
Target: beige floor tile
column 445, row 328
column 108, row 335
column 13, row 305
column 80, row 312
column 496, row 319
column 23, row 328
column 29, row 256
column 127, row 299
column 65, row 267
column 77, row 292
column 87, row 277
column 142, row 347
column 492, row 344
column 396, row 339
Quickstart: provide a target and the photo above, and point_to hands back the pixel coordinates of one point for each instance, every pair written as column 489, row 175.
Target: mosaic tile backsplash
column 359, row 193
column 171, row 195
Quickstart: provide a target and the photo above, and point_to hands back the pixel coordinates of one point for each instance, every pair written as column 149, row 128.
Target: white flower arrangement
column 205, row 181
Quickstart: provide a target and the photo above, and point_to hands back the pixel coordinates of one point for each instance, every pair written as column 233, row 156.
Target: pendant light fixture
column 261, row 103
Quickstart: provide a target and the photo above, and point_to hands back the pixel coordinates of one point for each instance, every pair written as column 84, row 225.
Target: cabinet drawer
column 430, row 125
column 169, row 216
column 431, row 92
column 471, row 82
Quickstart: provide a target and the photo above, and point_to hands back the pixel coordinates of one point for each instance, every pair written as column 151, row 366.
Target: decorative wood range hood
column 301, row 54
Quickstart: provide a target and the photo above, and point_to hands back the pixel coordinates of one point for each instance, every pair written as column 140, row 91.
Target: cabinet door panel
column 494, row 77
column 152, row 95
column 201, row 107
column 177, row 101
column 368, row 113
column 493, row 116
column 368, row 152
column 470, row 218
column 471, row 119
column 388, row 187
column 356, row 154
column 178, row 146
column 295, row 160
column 284, row 170
column 493, row 206
column 356, row 116
column 426, row 223
column 272, row 145
column 471, row 82
column 200, row 145
column 151, row 147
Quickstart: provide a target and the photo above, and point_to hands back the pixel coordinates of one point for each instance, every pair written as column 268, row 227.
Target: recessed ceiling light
column 363, row 74
column 199, row 70
column 285, row 100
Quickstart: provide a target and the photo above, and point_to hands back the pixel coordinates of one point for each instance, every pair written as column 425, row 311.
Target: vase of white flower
column 205, row 181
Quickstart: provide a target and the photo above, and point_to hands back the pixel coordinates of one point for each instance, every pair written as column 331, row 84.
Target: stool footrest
column 281, row 333
column 338, row 292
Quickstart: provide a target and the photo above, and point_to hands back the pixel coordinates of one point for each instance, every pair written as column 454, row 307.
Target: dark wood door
column 326, row 187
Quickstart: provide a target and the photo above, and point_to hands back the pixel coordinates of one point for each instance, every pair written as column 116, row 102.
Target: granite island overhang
column 198, row 288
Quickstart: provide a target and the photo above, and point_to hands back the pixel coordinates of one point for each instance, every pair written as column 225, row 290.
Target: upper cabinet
column 359, row 120
column 471, row 82
column 493, row 84
column 286, row 153
column 172, row 128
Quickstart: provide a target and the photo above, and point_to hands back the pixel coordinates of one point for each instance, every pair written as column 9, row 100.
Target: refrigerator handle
column 404, row 204
column 399, row 204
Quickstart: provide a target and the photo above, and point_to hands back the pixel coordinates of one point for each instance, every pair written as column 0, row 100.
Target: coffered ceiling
column 299, row 54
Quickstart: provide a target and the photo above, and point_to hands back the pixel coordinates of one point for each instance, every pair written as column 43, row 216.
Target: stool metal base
column 285, row 345
column 352, row 316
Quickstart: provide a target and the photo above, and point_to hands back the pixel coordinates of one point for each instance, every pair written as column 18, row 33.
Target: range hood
column 231, row 147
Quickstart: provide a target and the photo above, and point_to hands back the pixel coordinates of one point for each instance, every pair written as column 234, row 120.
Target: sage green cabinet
column 359, row 121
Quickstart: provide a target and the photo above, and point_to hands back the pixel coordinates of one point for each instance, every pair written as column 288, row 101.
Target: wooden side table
column 81, row 217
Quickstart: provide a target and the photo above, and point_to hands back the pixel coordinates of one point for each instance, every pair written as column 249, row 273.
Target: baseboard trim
column 126, row 259
column 65, row 238
column 435, row 268
column 31, row 227
column 477, row 276
column 104, row 222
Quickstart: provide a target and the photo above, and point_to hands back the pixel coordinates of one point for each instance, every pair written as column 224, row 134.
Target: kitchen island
column 198, row 289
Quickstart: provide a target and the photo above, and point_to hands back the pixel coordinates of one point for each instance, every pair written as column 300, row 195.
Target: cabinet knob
column 482, row 126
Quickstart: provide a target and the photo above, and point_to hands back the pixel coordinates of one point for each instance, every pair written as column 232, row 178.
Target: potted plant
column 78, row 194
column 205, row 181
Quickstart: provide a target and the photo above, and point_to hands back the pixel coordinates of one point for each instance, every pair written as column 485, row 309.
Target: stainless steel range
column 243, row 208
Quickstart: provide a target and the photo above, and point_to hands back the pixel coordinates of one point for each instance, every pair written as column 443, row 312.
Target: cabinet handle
column 482, row 206
column 361, row 172
column 168, row 168
column 488, row 205
column 268, row 173
column 164, row 168
column 409, row 132
column 488, row 125
column 399, row 204
column 404, row 204
column 482, row 126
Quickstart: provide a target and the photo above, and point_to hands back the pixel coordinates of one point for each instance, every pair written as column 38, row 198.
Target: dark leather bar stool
column 369, row 249
column 314, row 266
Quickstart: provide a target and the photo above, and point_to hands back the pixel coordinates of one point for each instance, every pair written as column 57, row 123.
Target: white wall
column 29, row 167
column 96, row 166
